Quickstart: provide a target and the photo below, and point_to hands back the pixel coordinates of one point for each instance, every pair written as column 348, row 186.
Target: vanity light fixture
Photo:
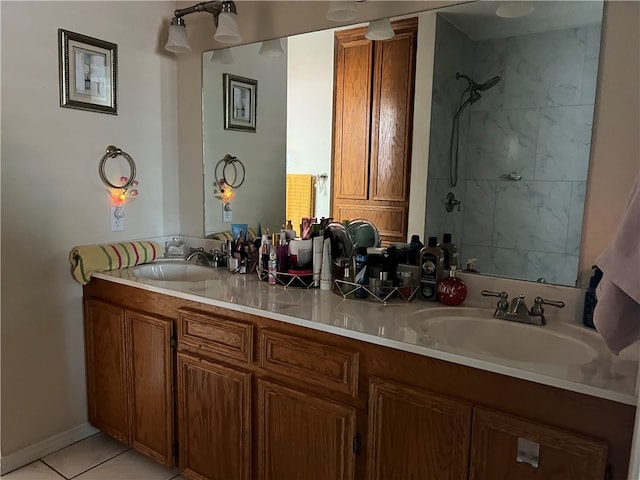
column 379, row 30
column 223, row 12
column 514, row 9
column 271, row 48
column 342, row 10
column 222, row 56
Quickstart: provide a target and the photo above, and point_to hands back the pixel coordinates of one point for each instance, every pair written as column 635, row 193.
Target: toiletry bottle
column 360, row 274
column 273, row 264
column 431, row 261
column 414, row 250
column 590, row 299
column 264, row 252
column 326, row 273
column 471, row 266
column 452, row 290
column 450, row 252
column 406, row 285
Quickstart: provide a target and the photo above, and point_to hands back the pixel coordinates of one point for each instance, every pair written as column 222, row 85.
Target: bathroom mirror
column 521, row 216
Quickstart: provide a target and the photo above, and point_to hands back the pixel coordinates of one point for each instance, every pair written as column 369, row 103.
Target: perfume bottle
column 452, row 290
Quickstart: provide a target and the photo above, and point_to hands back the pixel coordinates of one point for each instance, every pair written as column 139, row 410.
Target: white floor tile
column 85, row 454
column 33, row 471
column 128, row 466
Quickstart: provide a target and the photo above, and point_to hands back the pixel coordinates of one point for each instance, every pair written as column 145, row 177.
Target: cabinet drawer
column 216, row 335
column 329, row 366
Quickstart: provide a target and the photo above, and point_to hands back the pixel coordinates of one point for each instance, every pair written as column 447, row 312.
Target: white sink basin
column 175, row 272
column 474, row 330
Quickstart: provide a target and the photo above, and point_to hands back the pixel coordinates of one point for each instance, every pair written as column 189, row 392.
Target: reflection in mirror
column 523, row 143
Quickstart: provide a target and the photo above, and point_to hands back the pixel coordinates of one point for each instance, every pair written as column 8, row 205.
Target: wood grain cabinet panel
column 221, row 337
column 373, row 127
column 310, row 362
column 150, row 379
column 214, row 415
column 130, row 377
column 415, row 434
column 303, row 437
column 104, row 329
column 562, row 455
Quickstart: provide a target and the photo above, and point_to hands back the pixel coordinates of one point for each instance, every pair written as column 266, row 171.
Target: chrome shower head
column 481, row 87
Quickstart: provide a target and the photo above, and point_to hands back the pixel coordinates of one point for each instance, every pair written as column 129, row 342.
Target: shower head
column 475, row 87
column 473, row 98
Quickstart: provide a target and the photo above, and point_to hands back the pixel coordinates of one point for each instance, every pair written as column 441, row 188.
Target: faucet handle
column 537, row 309
column 503, row 303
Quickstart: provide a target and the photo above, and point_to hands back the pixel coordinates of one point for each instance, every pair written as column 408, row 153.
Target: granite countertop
column 400, row 325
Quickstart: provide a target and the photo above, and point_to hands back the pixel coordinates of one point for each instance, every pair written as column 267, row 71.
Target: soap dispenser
column 452, row 290
column 590, row 299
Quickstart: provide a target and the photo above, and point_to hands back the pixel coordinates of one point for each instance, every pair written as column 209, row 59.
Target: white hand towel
column 617, row 313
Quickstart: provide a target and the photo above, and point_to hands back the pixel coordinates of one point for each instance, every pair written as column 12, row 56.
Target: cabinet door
column 106, row 370
column 561, row 455
column 150, row 380
column 416, row 435
column 214, row 415
column 301, row 436
column 352, row 122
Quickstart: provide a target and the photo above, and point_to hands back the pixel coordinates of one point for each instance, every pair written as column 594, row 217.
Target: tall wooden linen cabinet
column 373, row 124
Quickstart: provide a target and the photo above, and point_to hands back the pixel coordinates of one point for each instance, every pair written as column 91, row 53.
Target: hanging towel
column 617, row 313
column 86, row 259
column 300, row 197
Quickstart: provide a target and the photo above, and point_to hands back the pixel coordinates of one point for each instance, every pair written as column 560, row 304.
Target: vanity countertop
column 397, row 325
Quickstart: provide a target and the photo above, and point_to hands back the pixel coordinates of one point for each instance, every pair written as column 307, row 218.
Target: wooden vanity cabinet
column 557, row 455
column 129, row 366
column 416, row 434
column 259, row 399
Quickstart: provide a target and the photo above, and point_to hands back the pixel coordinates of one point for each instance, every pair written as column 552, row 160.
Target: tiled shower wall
column 536, row 123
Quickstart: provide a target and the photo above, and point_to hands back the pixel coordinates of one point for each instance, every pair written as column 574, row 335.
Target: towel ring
column 230, row 160
column 113, row 152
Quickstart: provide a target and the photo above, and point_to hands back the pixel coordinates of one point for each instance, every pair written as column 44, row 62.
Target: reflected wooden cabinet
column 415, row 434
column 303, row 436
column 372, row 132
column 214, row 414
column 552, row 454
column 130, row 377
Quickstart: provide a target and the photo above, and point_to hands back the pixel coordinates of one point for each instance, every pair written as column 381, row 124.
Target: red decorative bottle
column 452, row 290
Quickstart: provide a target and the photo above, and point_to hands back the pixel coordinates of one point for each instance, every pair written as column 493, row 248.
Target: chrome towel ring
column 113, row 152
column 230, row 161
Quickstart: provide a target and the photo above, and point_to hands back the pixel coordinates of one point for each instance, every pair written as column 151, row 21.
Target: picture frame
column 88, row 70
column 240, row 102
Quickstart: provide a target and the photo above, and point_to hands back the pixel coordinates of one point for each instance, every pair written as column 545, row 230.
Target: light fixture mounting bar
column 214, row 8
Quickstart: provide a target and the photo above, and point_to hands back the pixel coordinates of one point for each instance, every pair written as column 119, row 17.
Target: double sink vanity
column 228, row 377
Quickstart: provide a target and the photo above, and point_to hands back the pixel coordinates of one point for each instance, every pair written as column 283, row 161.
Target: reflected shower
column 472, row 91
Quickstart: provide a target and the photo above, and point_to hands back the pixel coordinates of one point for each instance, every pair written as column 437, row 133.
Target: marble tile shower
column 537, row 123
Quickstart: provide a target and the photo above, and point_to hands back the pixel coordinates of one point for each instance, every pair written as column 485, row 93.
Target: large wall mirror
column 521, row 144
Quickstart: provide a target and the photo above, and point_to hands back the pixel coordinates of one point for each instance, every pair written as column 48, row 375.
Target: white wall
column 261, row 152
column 52, row 197
column 310, row 110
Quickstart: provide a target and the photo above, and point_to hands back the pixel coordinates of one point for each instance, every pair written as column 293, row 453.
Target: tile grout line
column 88, row 469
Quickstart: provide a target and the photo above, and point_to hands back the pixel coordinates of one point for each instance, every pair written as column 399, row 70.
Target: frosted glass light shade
column 177, row 41
column 227, row 31
column 379, row 30
column 342, row 10
column 271, row 48
column 222, row 56
column 514, row 9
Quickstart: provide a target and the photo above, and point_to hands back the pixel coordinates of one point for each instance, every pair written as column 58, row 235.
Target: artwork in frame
column 240, row 100
column 88, row 73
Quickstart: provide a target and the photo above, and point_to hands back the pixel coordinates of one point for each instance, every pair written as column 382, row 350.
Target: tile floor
column 98, row 457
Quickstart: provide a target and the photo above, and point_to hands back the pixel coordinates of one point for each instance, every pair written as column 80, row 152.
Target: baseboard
column 41, row 449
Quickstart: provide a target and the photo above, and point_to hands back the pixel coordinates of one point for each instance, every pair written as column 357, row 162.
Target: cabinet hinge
column 356, row 444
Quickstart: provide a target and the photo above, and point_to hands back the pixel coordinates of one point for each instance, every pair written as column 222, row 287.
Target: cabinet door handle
column 528, row 452
column 357, row 440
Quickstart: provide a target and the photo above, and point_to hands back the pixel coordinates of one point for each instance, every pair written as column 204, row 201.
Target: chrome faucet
column 213, row 258
column 517, row 311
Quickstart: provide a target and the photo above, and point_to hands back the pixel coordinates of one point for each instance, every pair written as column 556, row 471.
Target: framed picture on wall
column 240, row 100
column 88, row 73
